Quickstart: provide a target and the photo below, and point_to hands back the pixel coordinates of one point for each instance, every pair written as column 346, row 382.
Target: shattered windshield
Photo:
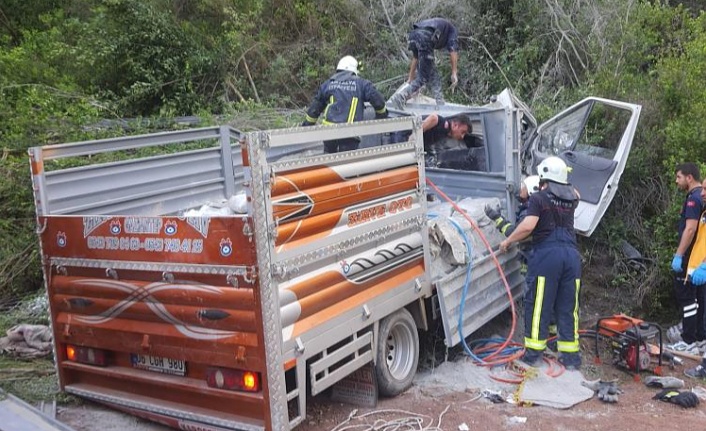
column 595, row 129
column 561, row 136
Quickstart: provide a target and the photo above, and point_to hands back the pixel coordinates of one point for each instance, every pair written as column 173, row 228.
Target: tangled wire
column 409, row 422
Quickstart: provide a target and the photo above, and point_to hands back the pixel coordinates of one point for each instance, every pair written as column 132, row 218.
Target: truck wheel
column 397, row 353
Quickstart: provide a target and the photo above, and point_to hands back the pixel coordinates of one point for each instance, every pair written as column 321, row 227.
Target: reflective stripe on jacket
column 342, row 99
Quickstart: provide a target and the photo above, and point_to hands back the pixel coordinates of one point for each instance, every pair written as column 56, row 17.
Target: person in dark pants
column 342, row 100
column 697, row 276
column 554, row 267
column 425, row 37
column 688, row 179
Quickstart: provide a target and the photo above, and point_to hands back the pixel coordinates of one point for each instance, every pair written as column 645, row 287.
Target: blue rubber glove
column 698, row 277
column 676, row 263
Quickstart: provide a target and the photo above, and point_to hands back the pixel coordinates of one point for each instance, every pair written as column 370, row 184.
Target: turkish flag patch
column 691, row 204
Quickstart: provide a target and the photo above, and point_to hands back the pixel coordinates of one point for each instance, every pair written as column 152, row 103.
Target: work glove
column 454, row 82
column 307, row 123
column 698, row 277
column 686, row 399
column 492, row 213
column 380, row 116
column 663, row 382
column 676, row 263
column 607, row 391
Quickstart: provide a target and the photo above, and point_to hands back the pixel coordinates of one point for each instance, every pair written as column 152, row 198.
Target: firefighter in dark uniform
column 554, row 267
column 342, row 100
column 530, row 186
column 425, row 37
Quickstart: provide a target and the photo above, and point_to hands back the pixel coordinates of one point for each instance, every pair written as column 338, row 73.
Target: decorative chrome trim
column 348, row 157
column 343, row 246
column 149, row 266
column 258, row 174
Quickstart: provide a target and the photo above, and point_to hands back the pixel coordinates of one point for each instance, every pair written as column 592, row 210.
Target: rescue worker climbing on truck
column 426, row 36
column 554, row 269
column 342, row 99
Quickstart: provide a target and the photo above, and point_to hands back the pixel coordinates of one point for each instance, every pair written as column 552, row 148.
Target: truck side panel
column 154, row 313
column 348, row 246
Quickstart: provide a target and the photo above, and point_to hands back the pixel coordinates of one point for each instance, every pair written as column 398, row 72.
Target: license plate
column 158, row 364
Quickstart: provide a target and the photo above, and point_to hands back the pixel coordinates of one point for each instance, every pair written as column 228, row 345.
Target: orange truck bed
column 226, row 322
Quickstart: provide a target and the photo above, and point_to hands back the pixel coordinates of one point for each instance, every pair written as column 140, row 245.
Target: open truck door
column 594, row 138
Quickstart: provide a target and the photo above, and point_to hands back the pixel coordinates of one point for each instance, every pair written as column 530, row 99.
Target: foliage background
column 67, row 64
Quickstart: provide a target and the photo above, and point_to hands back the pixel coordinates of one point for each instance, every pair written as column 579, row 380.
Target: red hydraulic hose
column 500, row 271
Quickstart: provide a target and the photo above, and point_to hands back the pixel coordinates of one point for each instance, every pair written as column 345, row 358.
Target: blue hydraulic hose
column 466, row 285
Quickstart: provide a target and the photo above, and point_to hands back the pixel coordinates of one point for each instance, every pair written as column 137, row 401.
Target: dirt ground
column 444, row 405
column 422, row 408
column 455, row 409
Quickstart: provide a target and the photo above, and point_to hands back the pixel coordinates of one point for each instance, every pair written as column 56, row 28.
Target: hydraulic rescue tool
column 629, row 339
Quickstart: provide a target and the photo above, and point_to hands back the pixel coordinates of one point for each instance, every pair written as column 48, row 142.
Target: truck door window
column 562, row 135
column 603, row 131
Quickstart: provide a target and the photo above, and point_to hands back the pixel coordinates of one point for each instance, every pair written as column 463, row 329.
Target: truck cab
column 593, row 137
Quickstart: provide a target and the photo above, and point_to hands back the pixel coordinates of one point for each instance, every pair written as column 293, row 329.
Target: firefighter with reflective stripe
column 554, row 267
column 342, row 100
column 688, row 179
column 528, row 187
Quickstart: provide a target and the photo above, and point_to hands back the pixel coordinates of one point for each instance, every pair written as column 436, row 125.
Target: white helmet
column 553, row 169
column 532, row 184
column 348, row 63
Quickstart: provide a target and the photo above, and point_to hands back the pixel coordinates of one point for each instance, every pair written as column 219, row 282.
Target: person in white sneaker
column 696, row 273
column 689, row 297
column 699, row 371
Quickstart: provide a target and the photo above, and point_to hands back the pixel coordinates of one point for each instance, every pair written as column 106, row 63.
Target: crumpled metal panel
column 486, row 294
column 16, row 415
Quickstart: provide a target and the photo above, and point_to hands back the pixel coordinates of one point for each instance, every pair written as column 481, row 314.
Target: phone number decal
column 173, row 245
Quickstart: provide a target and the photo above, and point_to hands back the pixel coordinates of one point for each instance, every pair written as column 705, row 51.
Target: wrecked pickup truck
column 228, row 321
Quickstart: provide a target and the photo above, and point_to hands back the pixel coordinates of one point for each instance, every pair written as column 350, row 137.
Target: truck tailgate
column 161, row 319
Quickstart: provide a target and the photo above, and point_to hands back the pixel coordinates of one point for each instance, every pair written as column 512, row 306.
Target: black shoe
column 532, row 358
column 698, row 372
column 570, row 361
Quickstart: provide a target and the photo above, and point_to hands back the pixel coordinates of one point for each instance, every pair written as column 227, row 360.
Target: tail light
column 86, row 355
column 233, row 380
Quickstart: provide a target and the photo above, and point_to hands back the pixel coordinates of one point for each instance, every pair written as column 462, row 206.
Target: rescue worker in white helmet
column 342, row 99
column 554, row 267
column 529, row 186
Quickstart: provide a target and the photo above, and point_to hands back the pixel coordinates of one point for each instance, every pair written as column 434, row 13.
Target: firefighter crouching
column 554, row 267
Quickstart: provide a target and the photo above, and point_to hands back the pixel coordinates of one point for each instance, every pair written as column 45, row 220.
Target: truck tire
column 397, row 353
